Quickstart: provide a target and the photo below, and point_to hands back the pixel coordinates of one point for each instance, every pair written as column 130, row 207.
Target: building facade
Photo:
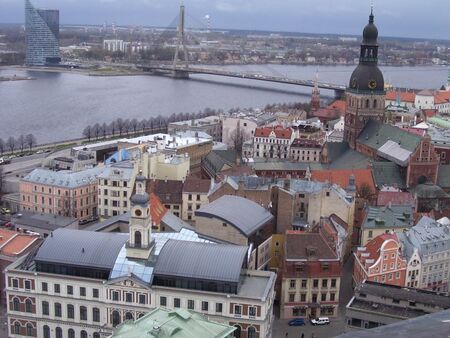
column 272, row 142
column 42, row 35
column 195, row 195
column 305, row 151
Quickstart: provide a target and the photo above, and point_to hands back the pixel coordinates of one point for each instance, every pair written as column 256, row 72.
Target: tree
column 134, row 123
column 112, row 128
column 21, row 142
column 120, row 125
column 238, row 139
column 104, row 130
column 11, row 143
column 96, row 129
column 365, row 192
column 2, row 146
column 87, row 132
column 2, row 176
column 30, row 141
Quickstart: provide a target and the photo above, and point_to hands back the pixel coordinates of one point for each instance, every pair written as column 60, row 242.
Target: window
column 176, row 302
column 16, row 328
column 191, row 304
column 58, row 332
column 204, row 306
column 332, row 297
column 82, row 291
column 83, row 334
column 314, row 297
column 44, row 286
column 162, row 301
column 69, row 289
column 115, row 318
column 29, row 330
column 219, row 307
column 95, row 314
column 128, row 297
column 292, row 284
column 46, row 331
column 315, row 283
column 324, row 283
column 115, row 296
column 28, row 306
column 15, row 283
column 70, row 311
column 333, row 283
column 238, row 310
column 94, row 293
column 83, row 313
column 190, row 197
column 71, row 333
column 370, row 233
column 251, row 332
column 252, row 311
column 304, row 282
column 58, row 312
column 303, row 297
column 27, row 285
column 16, row 304
column 142, row 299
column 292, row 297
column 96, row 335
column 323, row 297
column 45, row 308
column 57, row 288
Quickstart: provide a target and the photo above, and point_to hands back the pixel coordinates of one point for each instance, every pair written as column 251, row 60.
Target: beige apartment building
column 195, row 195
column 63, row 193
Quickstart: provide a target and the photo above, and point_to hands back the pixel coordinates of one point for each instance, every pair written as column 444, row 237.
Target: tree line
column 134, row 126
column 21, row 143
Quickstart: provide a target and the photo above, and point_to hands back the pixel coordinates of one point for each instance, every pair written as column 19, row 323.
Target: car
column 5, row 211
column 8, row 225
column 40, row 152
column 320, row 321
column 297, row 322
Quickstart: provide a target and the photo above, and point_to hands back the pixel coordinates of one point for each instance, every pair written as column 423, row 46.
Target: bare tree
column 120, row 125
column 143, row 125
column 30, row 141
column 2, row 146
column 134, row 123
column 11, row 143
column 104, row 130
column 21, row 142
column 112, row 128
column 87, row 132
column 238, row 139
column 96, row 129
column 2, row 176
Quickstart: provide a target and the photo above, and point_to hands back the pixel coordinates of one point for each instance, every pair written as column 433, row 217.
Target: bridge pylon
column 181, row 48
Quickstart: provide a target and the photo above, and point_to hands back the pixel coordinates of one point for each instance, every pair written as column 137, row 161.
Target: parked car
column 4, row 160
column 297, row 322
column 8, row 225
column 40, row 151
column 320, row 321
column 5, row 211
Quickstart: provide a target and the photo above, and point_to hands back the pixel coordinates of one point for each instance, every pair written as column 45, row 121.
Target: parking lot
column 335, row 327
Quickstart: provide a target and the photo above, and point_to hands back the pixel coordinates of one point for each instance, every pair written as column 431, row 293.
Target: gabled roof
column 392, row 216
column 64, row 178
column 339, row 105
column 373, row 247
column 279, row 131
column 341, row 177
column 216, row 160
column 81, row 248
column 203, row 261
column 404, row 96
column 245, row 215
column 157, row 209
column 168, row 191
column 197, row 185
column 395, row 198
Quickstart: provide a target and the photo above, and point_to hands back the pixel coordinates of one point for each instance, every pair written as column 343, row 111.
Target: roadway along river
column 57, row 106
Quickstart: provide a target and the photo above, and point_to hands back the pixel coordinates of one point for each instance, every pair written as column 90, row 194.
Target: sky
column 397, row 18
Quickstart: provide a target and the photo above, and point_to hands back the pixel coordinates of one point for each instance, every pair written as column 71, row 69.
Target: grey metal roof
column 393, row 216
column 175, row 223
column 432, row 325
column 122, row 218
column 215, row 262
column 81, row 248
column 64, row 178
column 122, row 170
column 444, row 176
column 387, row 174
column 247, row 216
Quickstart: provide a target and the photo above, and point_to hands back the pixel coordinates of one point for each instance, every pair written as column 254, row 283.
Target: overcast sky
column 404, row 18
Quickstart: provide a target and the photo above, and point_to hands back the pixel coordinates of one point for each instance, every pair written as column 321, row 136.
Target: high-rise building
column 365, row 94
column 42, row 35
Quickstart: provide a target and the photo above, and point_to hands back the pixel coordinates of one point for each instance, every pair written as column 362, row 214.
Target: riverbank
column 16, row 78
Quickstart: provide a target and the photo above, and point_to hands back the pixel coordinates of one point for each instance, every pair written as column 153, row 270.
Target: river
column 57, row 106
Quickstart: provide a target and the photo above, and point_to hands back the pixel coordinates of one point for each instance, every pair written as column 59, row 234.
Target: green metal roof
column 393, row 216
column 165, row 323
column 439, row 122
column 376, row 134
column 387, row 174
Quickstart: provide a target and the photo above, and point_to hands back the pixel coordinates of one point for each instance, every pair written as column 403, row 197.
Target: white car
column 320, row 321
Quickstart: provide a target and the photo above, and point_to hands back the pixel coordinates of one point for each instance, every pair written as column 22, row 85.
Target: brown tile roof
column 169, row 192
column 307, row 245
column 441, row 97
column 341, row 177
column 280, row 132
column 327, row 113
column 197, row 185
column 339, row 105
column 157, row 209
column 394, row 197
column 14, row 244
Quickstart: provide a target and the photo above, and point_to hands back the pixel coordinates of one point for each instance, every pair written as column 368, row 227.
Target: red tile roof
column 157, row 209
column 327, row 114
column 396, row 198
column 13, row 243
column 441, row 97
column 373, row 246
column 404, row 96
column 342, row 176
column 280, row 132
column 429, row 112
column 339, row 105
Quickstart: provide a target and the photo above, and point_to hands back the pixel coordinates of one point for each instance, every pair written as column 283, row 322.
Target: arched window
column 58, row 312
column 137, row 239
column 251, row 332
column 29, row 330
column 16, row 304
column 141, row 315
column 28, row 305
column 237, row 332
column 128, row 316
column 83, row 334
column 71, row 333
column 96, row 335
column 58, row 332
column 70, row 311
column 95, row 314
column 46, row 331
column 16, row 328
column 367, row 103
column 374, row 103
column 115, row 318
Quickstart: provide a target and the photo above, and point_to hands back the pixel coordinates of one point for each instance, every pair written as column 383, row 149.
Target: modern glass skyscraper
column 42, row 35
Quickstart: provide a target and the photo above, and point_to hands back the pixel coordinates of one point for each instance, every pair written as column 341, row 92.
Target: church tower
column 140, row 241
column 315, row 97
column 365, row 95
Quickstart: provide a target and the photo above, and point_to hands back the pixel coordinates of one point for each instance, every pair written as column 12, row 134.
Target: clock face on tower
column 372, row 84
